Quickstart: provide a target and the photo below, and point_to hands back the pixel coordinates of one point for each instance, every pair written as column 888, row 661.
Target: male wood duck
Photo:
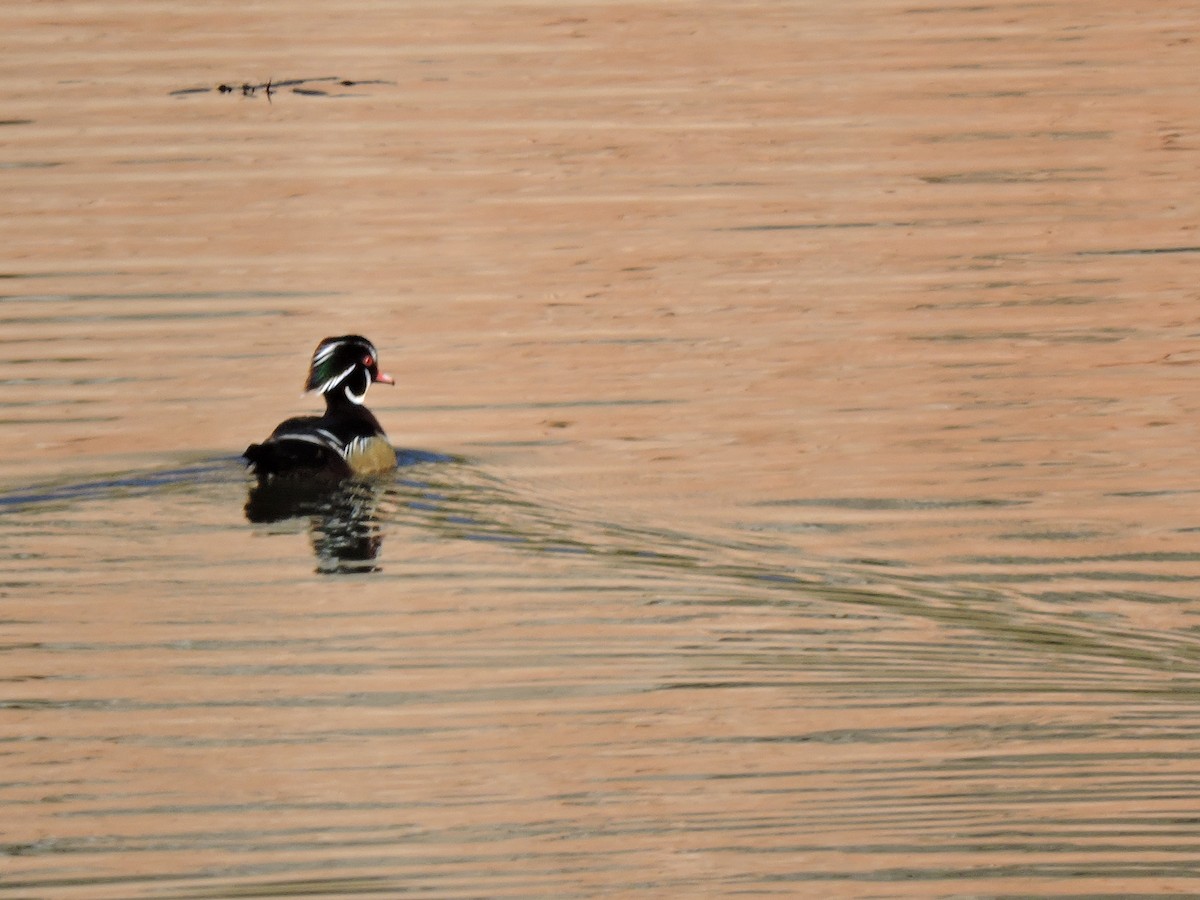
column 348, row 440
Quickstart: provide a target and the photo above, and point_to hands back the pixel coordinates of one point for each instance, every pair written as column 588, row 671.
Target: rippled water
column 520, row 700
column 798, row 470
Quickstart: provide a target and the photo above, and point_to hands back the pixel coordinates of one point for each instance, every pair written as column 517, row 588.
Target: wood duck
column 348, row 440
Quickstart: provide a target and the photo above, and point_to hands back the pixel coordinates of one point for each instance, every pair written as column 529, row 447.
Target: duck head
column 345, row 367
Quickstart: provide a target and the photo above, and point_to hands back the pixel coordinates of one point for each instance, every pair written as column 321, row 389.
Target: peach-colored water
column 808, row 400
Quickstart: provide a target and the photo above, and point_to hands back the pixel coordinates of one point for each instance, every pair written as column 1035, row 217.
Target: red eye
column 367, row 361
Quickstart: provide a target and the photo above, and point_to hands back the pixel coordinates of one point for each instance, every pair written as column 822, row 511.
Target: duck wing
column 301, row 447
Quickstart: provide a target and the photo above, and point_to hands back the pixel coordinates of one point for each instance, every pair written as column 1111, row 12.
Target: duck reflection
column 342, row 521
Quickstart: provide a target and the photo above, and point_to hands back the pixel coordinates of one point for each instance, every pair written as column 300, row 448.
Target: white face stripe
column 323, row 353
column 356, row 398
column 336, row 380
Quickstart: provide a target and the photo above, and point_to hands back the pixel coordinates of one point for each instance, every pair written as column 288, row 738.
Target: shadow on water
column 457, row 501
column 343, row 522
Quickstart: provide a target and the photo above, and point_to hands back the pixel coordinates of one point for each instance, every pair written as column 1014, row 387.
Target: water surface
column 797, row 414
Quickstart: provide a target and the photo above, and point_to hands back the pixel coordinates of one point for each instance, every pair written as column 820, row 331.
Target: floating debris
column 270, row 87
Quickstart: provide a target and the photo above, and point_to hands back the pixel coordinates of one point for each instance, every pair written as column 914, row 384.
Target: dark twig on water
column 271, row 87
